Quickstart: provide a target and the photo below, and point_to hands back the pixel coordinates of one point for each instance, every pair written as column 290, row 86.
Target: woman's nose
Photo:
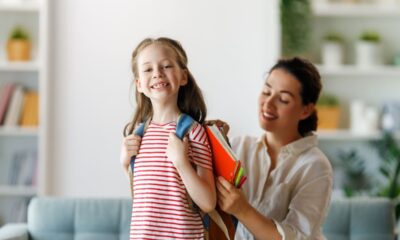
column 269, row 101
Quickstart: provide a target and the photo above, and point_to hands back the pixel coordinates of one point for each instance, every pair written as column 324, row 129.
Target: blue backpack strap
column 183, row 125
column 140, row 132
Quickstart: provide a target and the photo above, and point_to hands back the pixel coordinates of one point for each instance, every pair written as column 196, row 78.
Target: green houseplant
column 383, row 183
column 18, row 45
column 295, row 26
column 369, row 49
column 328, row 110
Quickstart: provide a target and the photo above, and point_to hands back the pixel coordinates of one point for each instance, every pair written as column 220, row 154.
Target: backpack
column 218, row 224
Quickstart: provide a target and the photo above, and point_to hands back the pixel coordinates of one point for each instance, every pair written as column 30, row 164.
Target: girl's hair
column 190, row 97
column 308, row 76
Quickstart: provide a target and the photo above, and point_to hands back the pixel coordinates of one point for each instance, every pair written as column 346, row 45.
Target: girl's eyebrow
column 282, row 91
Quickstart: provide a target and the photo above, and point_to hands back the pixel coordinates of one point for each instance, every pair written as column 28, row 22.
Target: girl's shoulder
column 198, row 133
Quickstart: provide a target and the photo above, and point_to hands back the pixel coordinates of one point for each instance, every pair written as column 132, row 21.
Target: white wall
column 230, row 45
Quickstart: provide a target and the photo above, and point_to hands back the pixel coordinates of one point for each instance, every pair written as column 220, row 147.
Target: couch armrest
column 14, row 231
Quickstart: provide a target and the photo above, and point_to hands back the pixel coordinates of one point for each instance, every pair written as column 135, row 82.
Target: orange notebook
column 225, row 162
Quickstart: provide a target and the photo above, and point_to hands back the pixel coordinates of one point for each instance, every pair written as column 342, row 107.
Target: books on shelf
column 18, row 106
column 225, row 162
column 23, row 168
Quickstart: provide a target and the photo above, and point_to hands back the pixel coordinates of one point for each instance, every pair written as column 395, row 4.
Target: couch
column 109, row 219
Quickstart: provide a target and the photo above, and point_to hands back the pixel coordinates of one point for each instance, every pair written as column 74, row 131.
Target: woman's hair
column 310, row 80
column 190, row 97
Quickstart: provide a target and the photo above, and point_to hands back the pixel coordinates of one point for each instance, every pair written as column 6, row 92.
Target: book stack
column 23, row 168
column 18, row 107
column 225, row 161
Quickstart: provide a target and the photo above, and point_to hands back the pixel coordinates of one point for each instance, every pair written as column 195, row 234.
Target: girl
column 163, row 172
column 289, row 184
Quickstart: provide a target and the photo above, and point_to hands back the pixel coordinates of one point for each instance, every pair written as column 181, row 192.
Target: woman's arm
column 200, row 185
column 306, row 210
column 232, row 201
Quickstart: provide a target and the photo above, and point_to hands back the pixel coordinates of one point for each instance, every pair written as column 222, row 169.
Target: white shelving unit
column 347, row 135
column 373, row 85
column 33, row 16
column 326, row 9
column 354, row 71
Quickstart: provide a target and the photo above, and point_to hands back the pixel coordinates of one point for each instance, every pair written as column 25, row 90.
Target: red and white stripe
column 160, row 206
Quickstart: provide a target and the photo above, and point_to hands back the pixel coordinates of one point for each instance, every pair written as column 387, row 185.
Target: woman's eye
column 284, row 101
column 168, row 66
column 266, row 93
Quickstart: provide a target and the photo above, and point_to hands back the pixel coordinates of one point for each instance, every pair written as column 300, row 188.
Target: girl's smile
column 159, row 85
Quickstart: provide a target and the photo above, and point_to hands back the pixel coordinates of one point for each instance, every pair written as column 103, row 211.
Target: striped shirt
column 160, row 208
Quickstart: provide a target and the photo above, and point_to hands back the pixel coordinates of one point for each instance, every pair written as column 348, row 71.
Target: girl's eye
column 168, row 66
column 147, row 70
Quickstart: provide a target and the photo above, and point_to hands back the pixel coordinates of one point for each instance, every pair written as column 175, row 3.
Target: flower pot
column 368, row 54
column 18, row 50
column 332, row 54
column 328, row 117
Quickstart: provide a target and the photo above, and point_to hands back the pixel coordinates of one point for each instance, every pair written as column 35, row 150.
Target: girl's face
column 159, row 75
column 280, row 103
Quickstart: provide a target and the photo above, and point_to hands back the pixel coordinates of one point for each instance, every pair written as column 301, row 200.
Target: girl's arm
column 130, row 147
column 200, row 185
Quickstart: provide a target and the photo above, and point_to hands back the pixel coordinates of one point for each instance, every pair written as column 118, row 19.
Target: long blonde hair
column 190, row 97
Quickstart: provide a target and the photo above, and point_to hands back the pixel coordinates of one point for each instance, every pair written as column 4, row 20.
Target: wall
column 230, row 45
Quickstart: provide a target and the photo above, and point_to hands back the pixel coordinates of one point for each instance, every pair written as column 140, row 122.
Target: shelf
column 19, row 6
column 352, row 70
column 345, row 134
column 356, row 9
column 12, row 190
column 30, row 66
column 18, row 131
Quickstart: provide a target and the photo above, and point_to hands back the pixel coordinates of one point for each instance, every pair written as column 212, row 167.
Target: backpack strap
column 184, row 124
column 140, row 130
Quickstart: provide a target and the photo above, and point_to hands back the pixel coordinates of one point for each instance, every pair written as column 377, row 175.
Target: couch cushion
column 79, row 219
column 360, row 219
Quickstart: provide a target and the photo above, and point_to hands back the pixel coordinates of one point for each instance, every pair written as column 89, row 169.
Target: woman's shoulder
column 314, row 158
column 243, row 142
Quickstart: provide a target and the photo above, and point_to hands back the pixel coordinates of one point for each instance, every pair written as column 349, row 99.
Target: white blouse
column 295, row 195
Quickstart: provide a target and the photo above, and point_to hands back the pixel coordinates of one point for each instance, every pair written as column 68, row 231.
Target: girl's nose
column 157, row 73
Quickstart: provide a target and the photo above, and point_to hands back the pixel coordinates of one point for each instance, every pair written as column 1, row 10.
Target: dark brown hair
column 190, row 97
column 310, row 80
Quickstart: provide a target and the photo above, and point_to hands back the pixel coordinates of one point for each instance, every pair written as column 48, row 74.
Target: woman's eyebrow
column 282, row 91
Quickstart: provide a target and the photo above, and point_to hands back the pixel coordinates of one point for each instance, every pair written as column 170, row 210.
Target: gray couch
column 109, row 219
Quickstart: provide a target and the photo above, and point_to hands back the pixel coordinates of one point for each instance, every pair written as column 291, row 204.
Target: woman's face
column 280, row 103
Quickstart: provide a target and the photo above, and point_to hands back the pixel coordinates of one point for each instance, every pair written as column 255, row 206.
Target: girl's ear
column 185, row 77
column 138, row 85
column 307, row 111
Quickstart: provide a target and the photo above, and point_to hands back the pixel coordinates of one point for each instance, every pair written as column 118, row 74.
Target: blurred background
column 66, row 93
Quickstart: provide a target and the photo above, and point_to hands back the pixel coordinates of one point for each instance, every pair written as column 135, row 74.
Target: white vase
column 368, row 54
column 332, row 54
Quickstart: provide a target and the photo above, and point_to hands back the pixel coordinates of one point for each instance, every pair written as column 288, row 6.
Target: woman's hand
column 130, row 147
column 177, row 150
column 223, row 126
column 230, row 199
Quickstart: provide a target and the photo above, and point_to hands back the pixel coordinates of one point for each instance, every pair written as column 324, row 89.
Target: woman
column 289, row 183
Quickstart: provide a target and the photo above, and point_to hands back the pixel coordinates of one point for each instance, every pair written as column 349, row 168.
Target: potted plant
column 328, row 110
column 368, row 50
column 296, row 27
column 332, row 50
column 18, row 45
